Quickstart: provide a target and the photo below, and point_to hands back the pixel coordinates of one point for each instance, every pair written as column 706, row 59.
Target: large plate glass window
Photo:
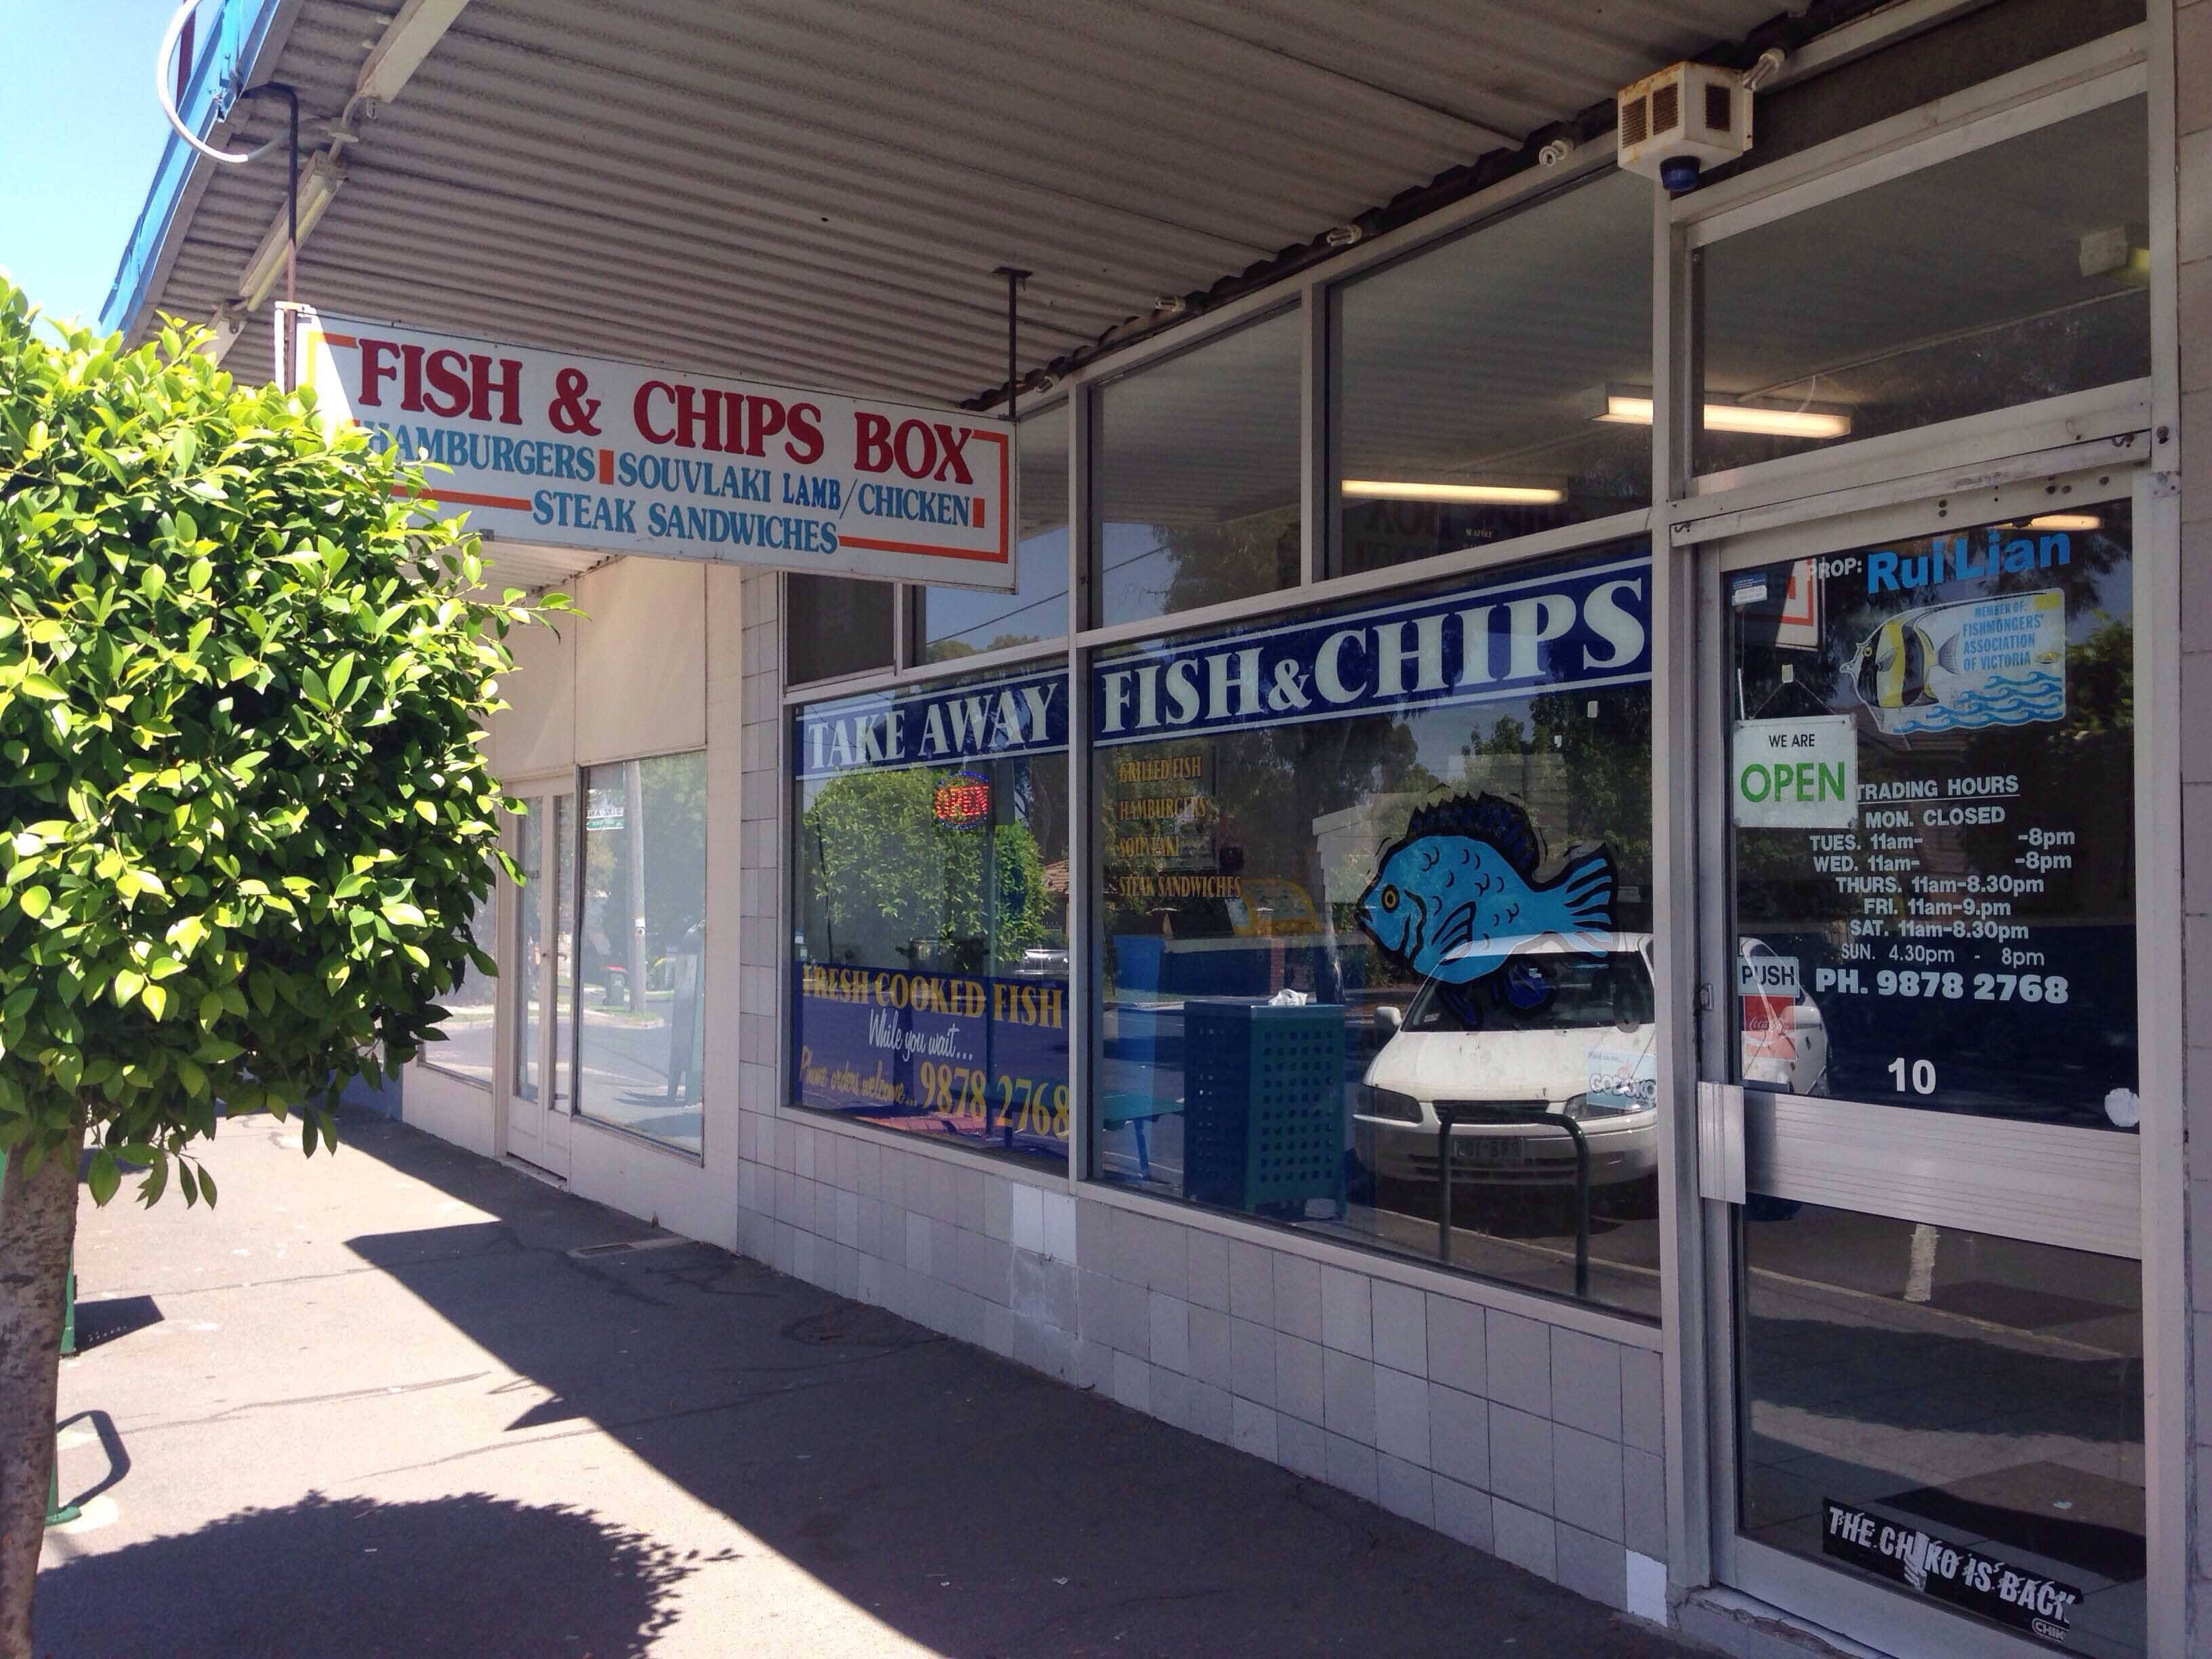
column 641, row 968
column 1930, row 765
column 959, row 622
column 1374, row 932
column 1197, row 463
column 1499, row 385
column 2014, row 273
column 929, row 966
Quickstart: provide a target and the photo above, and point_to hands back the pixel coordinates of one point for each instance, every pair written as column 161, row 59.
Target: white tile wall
column 1509, row 1433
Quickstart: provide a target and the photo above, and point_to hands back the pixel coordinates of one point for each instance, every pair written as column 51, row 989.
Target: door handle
column 1720, row 1142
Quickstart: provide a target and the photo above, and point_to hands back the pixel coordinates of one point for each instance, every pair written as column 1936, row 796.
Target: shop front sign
column 1508, row 640
column 557, row 449
column 1026, row 715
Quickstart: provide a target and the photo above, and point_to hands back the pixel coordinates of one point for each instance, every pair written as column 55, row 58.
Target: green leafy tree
column 243, row 677
column 894, row 884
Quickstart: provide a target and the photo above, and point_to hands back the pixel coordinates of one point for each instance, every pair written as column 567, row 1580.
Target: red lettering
column 954, row 463
column 871, row 449
column 637, row 409
column 764, row 419
column 694, row 412
column 374, row 369
column 927, row 463
column 805, row 445
column 445, row 370
column 410, row 382
column 483, row 383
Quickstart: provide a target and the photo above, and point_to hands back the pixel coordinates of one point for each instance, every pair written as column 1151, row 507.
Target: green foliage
column 242, row 681
column 894, row 882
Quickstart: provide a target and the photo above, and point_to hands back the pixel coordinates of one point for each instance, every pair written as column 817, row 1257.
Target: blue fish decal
column 1454, row 899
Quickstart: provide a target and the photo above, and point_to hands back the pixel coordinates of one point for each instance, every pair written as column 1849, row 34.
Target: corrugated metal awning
column 818, row 191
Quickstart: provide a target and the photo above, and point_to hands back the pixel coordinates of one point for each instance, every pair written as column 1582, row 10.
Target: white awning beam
column 391, row 63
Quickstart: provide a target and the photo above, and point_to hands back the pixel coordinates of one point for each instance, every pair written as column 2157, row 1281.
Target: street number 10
column 1921, row 1074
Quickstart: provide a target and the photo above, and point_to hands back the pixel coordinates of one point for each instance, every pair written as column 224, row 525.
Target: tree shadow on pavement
column 975, row 1506
column 351, row 1578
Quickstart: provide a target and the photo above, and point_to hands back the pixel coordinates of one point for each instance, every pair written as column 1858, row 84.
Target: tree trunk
column 37, row 1224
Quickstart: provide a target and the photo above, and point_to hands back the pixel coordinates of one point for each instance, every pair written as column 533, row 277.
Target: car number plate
column 1488, row 1150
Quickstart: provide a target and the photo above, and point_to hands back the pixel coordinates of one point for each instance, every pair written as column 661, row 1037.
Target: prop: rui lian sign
column 561, row 450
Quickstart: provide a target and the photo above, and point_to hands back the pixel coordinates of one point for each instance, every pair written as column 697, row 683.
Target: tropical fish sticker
column 1456, row 900
column 1970, row 664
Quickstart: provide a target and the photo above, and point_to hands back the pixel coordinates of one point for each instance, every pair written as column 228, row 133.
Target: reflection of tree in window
column 1205, row 564
column 889, row 883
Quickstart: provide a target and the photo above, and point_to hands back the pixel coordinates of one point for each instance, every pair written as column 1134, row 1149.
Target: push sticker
column 1966, row 666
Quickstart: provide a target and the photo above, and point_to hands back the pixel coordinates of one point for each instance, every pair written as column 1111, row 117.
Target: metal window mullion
column 1316, row 481
column 2161, row 898
column 1082, row 851
column 1675, row 932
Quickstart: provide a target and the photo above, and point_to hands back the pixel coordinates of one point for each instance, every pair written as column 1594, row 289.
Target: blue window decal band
column 1588, row 627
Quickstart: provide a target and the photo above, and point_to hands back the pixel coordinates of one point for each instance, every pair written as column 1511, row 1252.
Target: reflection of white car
column 1587, row 1053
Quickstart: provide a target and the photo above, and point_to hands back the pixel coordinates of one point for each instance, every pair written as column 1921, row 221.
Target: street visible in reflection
column 1981, row 1393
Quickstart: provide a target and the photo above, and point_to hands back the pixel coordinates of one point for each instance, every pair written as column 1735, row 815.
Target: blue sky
column 79, row 132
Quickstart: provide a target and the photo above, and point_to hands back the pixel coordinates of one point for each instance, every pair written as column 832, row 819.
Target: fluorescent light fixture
column 1390, row 490
column 1628, row 409
column 2066, row 521
column 319, row 181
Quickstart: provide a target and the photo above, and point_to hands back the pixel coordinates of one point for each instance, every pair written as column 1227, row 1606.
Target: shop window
column 1376, row 913
column 2014, row 273
column 1197, row 468
column 836, row 625
column 1952, row 895
column 929, row 976
column 1480, row 383
column 959, row 622
column 468, row 1051
column 641, row 950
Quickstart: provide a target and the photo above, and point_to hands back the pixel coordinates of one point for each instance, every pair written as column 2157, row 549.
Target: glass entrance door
column 1921, row 942
column 538, row 1096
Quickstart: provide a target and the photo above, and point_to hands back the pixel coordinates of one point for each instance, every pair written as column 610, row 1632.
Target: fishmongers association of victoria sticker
column 1965, row 1578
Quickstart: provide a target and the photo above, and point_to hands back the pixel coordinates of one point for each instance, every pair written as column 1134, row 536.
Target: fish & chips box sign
column 555, row 449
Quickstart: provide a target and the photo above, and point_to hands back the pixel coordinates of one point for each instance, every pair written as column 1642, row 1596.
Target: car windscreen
column 1541, row 992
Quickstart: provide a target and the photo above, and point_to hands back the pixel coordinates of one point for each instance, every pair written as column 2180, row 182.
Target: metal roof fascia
column 245, row 40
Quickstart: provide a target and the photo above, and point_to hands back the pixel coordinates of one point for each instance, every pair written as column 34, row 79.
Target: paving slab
column 403, row 1402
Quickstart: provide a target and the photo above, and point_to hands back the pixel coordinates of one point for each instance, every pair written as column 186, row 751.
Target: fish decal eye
column 1454, row 899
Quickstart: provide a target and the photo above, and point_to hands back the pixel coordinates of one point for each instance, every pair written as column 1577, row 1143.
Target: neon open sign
column 964, row 800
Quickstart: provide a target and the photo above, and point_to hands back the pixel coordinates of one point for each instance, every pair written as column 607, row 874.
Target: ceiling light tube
column 2066, row 521
column 320, row 179
column 1629, row 409
column 1390, row 490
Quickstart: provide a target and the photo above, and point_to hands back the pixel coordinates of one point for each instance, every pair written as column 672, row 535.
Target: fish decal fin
column 1584, row 894
column 1455, row 932
column 1503, row 823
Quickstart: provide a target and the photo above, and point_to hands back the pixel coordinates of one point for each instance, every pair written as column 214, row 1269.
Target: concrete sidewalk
column 407, row 1402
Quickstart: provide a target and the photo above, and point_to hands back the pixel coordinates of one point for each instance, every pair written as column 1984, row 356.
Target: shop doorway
column 536, row 1096
column 1918, row 1102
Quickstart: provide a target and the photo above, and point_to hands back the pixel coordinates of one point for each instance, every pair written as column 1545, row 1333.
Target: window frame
column 2079, row 81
